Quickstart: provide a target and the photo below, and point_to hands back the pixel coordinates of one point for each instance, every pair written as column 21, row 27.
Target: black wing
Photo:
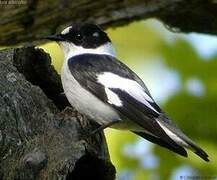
column 136, row 112
column 87, row 67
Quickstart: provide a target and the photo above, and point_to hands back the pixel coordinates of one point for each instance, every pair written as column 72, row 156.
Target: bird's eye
column 96, row 34
column 78, row 37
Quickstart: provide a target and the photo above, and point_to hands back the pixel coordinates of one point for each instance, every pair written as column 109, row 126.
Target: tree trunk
column 32, row 19
column 39, row 138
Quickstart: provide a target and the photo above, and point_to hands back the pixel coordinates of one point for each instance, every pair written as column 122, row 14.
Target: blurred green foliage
column 138, row 44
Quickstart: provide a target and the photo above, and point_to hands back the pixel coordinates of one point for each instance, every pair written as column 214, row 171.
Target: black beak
column 57, row 37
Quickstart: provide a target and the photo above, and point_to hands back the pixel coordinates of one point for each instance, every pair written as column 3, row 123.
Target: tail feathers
column 197, row 150
column 181, row 139
column 177, row 149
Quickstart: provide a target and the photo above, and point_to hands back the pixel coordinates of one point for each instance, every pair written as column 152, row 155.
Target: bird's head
column 83, row 38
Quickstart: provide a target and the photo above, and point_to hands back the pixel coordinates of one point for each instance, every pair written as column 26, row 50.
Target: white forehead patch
column 66, row 30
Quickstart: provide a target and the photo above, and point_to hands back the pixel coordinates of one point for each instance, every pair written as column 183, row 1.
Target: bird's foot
column 89, row 134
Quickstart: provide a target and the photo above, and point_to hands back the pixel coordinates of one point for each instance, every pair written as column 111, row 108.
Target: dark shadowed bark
column 39, row 138
column 33, row 19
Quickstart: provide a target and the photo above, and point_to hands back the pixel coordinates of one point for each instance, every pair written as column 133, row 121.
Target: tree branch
column 35, row 19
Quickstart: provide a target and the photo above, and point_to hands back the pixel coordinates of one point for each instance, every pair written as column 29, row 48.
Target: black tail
column 177, row 149
column 197, row 150
column 188, row 143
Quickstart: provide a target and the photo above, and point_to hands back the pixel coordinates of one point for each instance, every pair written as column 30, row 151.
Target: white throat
column 71, row 50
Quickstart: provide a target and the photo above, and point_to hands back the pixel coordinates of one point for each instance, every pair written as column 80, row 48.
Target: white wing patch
column 112, row 97
column 110, row 80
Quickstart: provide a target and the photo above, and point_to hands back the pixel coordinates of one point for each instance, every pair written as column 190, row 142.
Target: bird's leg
column 102, row 127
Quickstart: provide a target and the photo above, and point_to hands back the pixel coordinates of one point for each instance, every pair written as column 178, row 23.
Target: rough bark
column 33, row 19
column 39, row 138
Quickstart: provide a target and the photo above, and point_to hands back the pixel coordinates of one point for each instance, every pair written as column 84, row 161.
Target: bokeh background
column 180, row 71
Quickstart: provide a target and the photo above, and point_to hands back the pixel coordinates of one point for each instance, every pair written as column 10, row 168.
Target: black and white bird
column 104, row 89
